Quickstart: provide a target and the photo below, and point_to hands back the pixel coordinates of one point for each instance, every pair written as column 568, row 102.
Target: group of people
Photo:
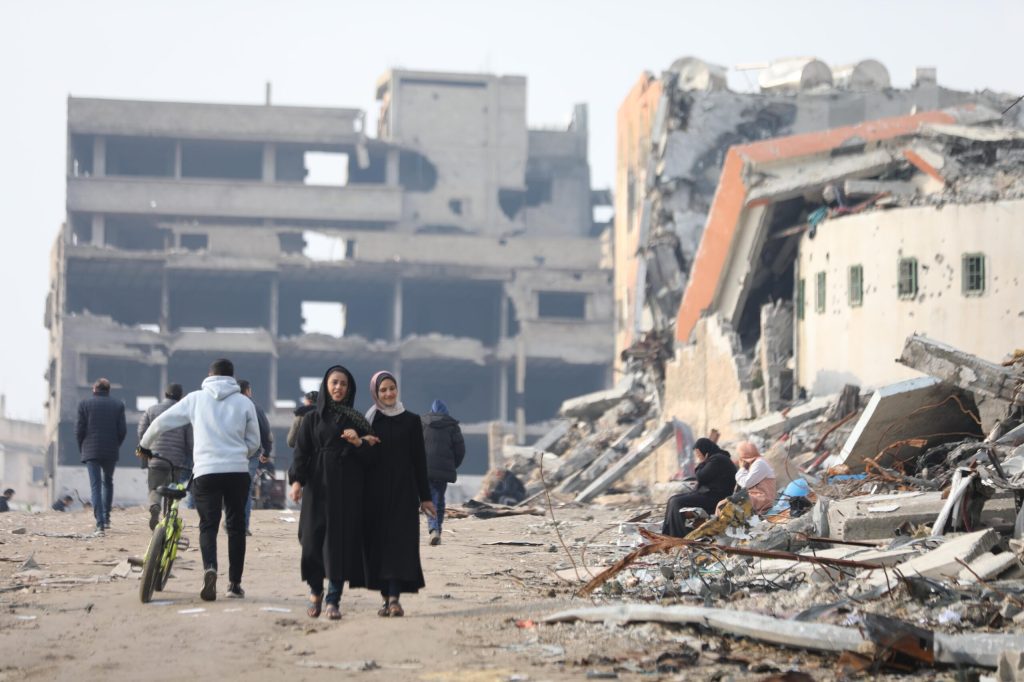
column 361, row 480
column 717, row 477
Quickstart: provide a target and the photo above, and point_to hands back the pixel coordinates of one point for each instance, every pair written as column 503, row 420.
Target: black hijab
column 342, row 412
column 708, row 447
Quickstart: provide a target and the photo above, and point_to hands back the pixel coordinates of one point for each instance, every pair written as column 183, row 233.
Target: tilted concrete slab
column 778, row 423
column 947, row 363
column 988, row 566
column 942, row 562
column 593, row 405
column 923, row 408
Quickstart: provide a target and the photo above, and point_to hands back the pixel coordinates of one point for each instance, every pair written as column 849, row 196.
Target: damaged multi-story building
column 456, row 247
column 783, row 243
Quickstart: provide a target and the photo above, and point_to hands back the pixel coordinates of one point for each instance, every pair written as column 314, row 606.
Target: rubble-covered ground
column 490, row 584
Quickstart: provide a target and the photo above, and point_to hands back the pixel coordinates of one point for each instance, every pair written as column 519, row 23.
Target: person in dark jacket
column 716, row 479
column 62, row 504
column 446, row 448
column 308, row 405
column 266, row 446
column 100, row 431
column 327, row 476
column 396, row 491
column 5, row 500
column 175, row 445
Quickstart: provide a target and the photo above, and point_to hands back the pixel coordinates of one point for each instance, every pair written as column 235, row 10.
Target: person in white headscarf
column 396, row 491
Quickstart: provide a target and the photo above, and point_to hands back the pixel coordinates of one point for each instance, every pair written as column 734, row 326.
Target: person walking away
column 175, row 445
column 100, row 431
column 756, row 476
column 307, row 406
column 266, row 446
column 327, row 477
column 5, row 500
column 396, row 491
column 225, row 433
column 62, row 504
column 446, row 448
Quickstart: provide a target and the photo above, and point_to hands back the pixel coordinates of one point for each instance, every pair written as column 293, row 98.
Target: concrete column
column 503, row 392
column 520, row 390
column 177, row 160
column 269, row 162
column 164, row 380
column 272, row 389
column 165, row 304
column 275, row 289
column 391, row 168
column 99, row 229
column 503, row 316
column 396, row 312
column 99, row 156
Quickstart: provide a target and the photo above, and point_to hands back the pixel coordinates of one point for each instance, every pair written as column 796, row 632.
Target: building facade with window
column 456, row 246
column 952, row 273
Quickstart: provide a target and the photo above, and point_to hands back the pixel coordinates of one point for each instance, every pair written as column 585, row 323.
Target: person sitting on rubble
column 501, row 486
column 5, row 500
column 62, row 504
column 715, row 481
column 756, row 476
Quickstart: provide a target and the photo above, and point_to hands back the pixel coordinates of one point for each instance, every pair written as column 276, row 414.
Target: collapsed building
column 457, row 248
column 783, row 243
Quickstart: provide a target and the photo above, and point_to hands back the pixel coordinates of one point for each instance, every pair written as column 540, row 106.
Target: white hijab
column 392, row 411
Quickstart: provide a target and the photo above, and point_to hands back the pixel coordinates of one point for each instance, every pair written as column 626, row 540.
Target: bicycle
column 167, row 539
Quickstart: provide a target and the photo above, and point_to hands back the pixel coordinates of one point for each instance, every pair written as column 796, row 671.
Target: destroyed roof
column 758, row 175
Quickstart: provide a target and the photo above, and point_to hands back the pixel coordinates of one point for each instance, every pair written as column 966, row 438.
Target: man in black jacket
column 446, row 448
column 175, row 445
column 266, row 446
column 100, row 431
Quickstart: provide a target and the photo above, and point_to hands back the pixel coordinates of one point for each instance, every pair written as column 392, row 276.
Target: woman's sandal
column 395, row 610
column 383, row 611
column 333, row 612
column 315, row 603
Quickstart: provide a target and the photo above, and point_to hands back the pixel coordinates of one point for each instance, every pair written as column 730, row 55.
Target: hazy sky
column 331, row 53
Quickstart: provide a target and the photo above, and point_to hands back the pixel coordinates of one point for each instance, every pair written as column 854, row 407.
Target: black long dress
column 716, row 479
column 333, row 475
column 395, row 486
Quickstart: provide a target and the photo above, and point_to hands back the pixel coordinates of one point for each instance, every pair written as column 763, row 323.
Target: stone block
column 987, row 567
column 942, row 562
column 876, row 517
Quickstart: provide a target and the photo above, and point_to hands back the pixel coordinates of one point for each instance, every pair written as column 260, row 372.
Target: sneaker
column 235, row 591
column 435, row 537
column 209, row 591
column 99, row 529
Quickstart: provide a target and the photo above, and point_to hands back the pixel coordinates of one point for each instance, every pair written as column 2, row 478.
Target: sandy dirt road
column 69, row 620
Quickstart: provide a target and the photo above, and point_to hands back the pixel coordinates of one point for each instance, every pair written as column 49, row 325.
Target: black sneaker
column 209, row 591
column 235, row 591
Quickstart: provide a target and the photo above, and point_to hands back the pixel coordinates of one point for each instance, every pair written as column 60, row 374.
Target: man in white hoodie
column 225, row 434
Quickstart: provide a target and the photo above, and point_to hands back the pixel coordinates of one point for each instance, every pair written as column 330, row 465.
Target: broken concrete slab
column 862, row 188
column 774, row 425
column 593, row 405
column 956, row 367
column 988, row 566
column 581, row 479
column 903, row 419
column 943, row 561
column 875, row 517
column 560, row 429
column 627, row 462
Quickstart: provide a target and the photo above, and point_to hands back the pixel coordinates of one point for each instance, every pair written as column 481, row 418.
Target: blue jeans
column 437, row 491
column 254, row 462
column 102, row 488
column 334, row 591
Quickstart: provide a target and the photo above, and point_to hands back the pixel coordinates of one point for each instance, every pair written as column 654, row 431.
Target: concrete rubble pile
column 897, row 543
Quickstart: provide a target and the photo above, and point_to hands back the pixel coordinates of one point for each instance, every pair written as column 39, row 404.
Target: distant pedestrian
column 308, row 405
column 266, row 447
column 100, row 431
column 226, row 433
column 175, row 445
column 62, row 504
column 5, row 500
column 446, row 448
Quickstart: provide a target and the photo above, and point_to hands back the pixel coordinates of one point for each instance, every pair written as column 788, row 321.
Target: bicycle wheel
column 151, row 566
column 170, row 551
